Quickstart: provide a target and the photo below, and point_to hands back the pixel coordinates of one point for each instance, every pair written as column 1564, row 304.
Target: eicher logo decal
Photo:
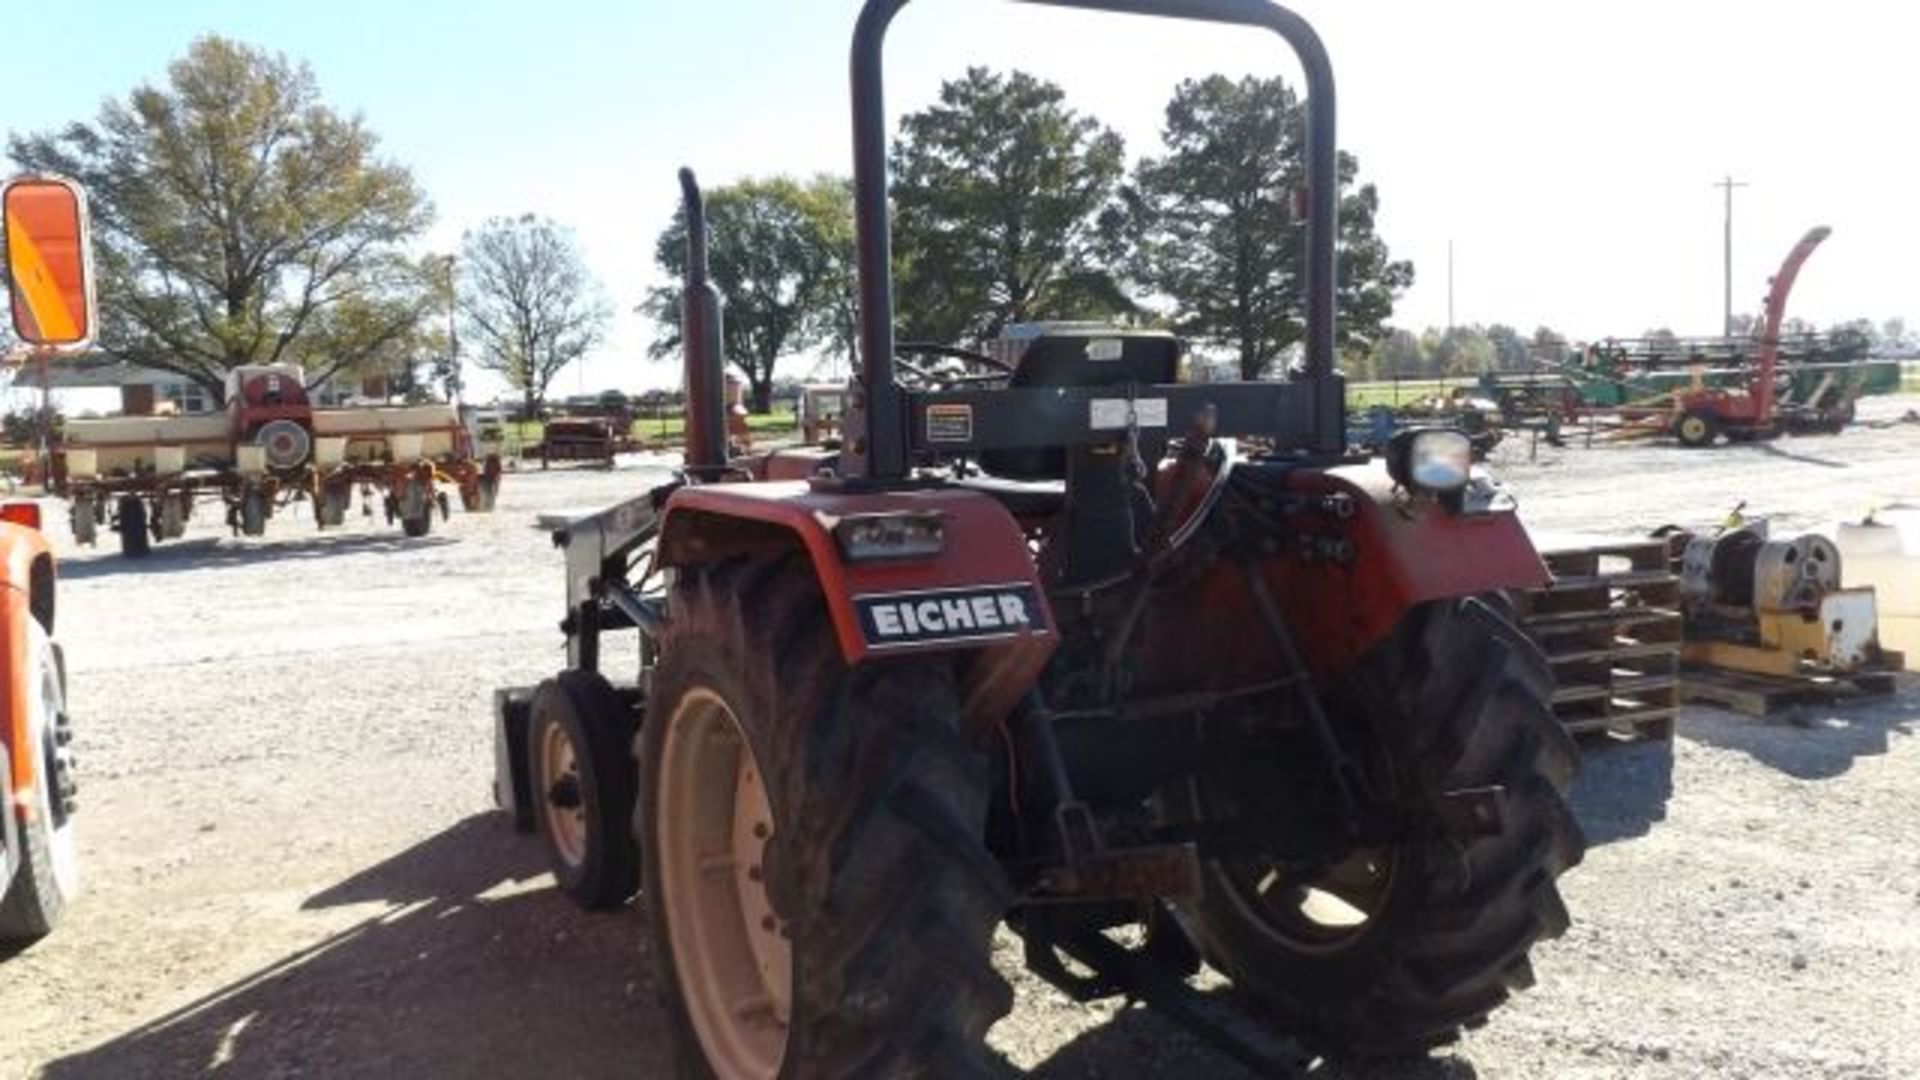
column 973, row 613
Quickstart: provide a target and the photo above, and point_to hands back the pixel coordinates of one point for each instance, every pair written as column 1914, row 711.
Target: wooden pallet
column 1609, row 622
column 1764, row 695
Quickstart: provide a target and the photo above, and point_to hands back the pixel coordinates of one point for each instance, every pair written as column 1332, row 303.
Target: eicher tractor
column 44, row 231
column 1154, row 672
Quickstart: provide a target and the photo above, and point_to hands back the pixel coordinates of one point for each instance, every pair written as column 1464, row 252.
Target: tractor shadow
column 1623, row 788
column 473, row 967
column 216, row 552
column 1773, row 449
column 1814, row 741
column 1138, row 1042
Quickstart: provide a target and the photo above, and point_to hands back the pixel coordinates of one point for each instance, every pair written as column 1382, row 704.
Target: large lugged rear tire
column 811, row 839
column 48, row 878
column 1428, row 936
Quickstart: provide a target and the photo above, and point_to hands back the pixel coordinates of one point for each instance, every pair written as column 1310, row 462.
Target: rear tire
column 49, row 876
column 130, row 520
column 1448, row 921
column 85, row 518
column 582, row 779
column 414, row 505
column 253, row 513
column 874, row 868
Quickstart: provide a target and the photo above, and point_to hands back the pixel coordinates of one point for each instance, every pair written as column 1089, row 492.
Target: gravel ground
column 292, row 868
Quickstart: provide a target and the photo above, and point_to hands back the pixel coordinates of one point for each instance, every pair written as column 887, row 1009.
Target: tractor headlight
column 913, row 534
column 1435, row 460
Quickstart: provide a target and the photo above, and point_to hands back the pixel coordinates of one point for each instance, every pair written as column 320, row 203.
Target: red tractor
column 1038, row 644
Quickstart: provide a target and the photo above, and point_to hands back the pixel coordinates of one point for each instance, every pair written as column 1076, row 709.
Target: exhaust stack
column 701, row 343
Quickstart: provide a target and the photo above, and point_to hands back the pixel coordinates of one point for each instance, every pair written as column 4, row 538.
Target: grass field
column 1364, row 395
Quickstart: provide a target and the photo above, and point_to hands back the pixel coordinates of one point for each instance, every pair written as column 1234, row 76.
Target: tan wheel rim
column 731, row 953
column 1323, row 912
column 1693, row 429
column 566, row 802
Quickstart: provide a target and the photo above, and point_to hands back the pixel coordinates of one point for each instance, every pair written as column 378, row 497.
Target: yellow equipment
column 1774, row 607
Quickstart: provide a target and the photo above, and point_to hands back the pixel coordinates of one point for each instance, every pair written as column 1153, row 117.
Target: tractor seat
column 1022, row 498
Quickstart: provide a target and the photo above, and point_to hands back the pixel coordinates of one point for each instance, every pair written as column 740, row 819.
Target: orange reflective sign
column 48, row 262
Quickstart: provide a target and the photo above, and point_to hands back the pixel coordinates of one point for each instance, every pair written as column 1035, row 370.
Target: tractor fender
column 980, row 595
column 1342, row 579
column 26, row 593
column 1403, row 552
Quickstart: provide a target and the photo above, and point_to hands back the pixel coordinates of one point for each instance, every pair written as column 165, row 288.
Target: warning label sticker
column 949, row 423
column 1113, row 414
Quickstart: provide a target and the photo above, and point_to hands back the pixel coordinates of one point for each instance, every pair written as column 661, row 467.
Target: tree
column 1894, row 335
column 1215, row 230
column 1510, row 351
column 528, row 304
column 781, row 251
column 1459, row 351
column 1549, row 346
column 1400, row 356
column 239, row 220
column 998, row 210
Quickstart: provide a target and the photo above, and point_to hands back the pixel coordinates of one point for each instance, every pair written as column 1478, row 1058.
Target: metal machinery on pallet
column 44, row 231
column 1774, row 607
column 143, row 475
column 1037, row 644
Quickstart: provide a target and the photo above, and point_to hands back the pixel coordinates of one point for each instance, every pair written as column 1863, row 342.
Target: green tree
column 1458, row 351
column 1399, row 355
column 1216, row 234
column 998, row 203
column 528, row 304
column 780, row 250
column 239, row 220
column 1511, row 352
column 1549, row 346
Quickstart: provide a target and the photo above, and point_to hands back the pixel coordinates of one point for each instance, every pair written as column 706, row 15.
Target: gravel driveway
column 292, row 868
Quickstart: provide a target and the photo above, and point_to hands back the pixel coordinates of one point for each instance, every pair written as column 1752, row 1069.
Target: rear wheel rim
column 566, row 800
column 1324, row 911
column 731, row 954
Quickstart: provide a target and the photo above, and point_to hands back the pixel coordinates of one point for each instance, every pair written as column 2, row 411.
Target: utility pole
column 454, row 382
column 1727, row 185
column 1449, row 286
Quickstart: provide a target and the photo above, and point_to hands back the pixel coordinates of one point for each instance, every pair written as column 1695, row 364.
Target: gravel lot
column 292, row 868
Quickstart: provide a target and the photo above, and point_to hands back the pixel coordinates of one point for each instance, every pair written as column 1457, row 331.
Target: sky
column 1567, row 152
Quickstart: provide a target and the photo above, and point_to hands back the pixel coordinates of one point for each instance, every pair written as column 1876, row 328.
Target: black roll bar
column 885, row 455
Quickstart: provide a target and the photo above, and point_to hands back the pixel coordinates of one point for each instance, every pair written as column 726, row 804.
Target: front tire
column 253, row 513
column 49, row 875
column 1697, row 429
column 818, row 884
column 580, row 761
column 130, row 520
column 1392, row 951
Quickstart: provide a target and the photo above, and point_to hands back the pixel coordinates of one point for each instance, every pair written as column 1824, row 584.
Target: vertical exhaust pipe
column 701, row 343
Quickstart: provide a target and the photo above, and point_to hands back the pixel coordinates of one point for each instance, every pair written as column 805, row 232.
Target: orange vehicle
column 47, row 260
